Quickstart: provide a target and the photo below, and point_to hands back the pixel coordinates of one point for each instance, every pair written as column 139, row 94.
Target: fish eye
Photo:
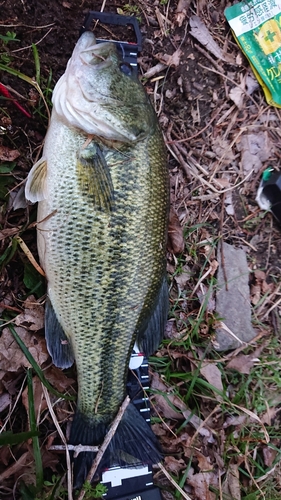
column 126, row 68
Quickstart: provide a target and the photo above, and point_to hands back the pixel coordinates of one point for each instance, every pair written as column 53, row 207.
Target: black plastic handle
column 127, row 50
column 115, row 19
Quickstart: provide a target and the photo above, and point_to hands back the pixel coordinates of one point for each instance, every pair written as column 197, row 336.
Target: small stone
column 233, row 305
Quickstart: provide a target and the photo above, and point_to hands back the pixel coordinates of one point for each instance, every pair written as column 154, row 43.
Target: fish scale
column 102, row 227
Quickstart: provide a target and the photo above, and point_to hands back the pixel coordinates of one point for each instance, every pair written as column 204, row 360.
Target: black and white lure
column 269, row 192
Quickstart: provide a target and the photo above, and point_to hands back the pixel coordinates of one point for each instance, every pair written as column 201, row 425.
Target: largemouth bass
column 102, row 188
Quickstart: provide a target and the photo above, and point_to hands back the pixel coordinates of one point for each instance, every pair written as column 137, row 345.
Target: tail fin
column 133, row 443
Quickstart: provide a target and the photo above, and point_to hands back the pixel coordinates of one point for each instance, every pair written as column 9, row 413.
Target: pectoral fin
column 57, row 342
column 35, row 189
column 94, row 177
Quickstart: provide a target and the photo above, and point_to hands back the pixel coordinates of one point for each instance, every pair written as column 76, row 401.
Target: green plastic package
column 256, row 26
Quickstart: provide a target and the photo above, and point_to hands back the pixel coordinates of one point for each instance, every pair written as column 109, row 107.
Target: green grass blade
column 33, row 428
column 27, row 79
column 17, row 73
column 36, row 367
column 37, row 63
column 9, row 438
column 182, row 481
column 8, row 254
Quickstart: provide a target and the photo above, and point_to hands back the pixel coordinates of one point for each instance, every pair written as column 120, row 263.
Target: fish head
column 100, row 95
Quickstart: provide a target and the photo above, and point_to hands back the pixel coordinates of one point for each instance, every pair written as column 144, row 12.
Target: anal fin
column 150, row 332
column 58, row 344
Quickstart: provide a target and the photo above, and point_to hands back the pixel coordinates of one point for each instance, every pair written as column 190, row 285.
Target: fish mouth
column 92, row 53
column 98, row 54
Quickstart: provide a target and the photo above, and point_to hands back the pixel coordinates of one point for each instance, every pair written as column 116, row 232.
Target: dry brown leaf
column 260, row 279
column 229, row 208
column 204, row 463
column 171, row 331
column 183, row 278
column 5, row 455
column 259, row 275
column 12, row 357
column 260, row 286
column 175, row 233
column 7, row 302
column 24, row 465
column 162, row 404
column 32, row 316
column 243, row 363
column 5, row 401
column 185, row 440
column 50, row 459
column 233, row 304
column 256, row 148
column 58, row 379
column 201, row 482
column 237, row 421
column 34, row 98
column 6, row 233
column 214, row 265
column 197, row 423
column 251, row 84
column 269, row 415
column 231, row 485
column 218, row 456
column 7, row 154
column 17, row 468
column 181, row 11
column 223, row 151
column 159, row 430
column 255, row 291
column 213, row 375
column 170, row 60
column 223, row 182
column 200, row 31
column 237, row 96
column 269, row 455
column 173, row 465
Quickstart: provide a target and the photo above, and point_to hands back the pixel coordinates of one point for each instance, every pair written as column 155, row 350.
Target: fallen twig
column 155, row 70
column 5, row 92
column 29, row 255
column 68, row 463
column 78, row 448
column 168, row 476
column 222, row 325
column 105, row 444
